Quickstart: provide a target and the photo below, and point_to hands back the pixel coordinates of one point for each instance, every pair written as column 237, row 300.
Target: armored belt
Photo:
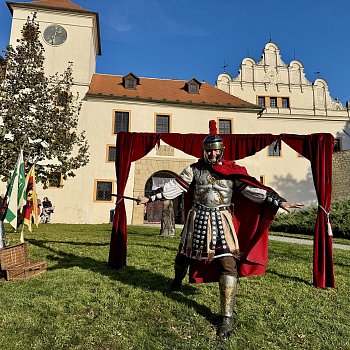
column 202, row 207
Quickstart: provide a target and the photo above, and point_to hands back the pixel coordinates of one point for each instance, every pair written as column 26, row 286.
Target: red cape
column 251, row 221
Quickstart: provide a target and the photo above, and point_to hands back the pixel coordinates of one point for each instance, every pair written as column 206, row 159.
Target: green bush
column 303, row 221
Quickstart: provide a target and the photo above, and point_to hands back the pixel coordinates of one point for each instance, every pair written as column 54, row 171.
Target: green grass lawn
column 79, row 303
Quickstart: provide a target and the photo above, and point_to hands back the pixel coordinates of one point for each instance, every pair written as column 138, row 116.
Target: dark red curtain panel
column 317, row 148
column 188, row 143
column 130, row 147
column 240, row 146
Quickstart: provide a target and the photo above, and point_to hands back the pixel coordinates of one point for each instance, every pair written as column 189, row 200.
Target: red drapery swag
column 318, row 148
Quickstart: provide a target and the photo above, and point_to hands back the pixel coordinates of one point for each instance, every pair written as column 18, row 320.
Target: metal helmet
column 211, row 142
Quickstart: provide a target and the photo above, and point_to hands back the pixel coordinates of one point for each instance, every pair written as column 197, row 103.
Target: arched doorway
column 153, row 212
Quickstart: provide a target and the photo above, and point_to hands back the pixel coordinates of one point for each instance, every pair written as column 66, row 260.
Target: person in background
column 3, row 205
column 39, row 206
column 2, row 227
column 47, row 210
column 209, row 234
column 167, row 227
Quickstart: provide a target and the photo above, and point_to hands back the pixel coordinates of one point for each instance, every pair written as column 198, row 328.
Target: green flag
column 22, row 186
column 15, row 192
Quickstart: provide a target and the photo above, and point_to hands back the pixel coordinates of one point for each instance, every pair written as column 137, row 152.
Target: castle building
column 266, row 97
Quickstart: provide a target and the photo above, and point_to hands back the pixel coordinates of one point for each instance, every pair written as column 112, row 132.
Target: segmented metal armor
column 208, row 232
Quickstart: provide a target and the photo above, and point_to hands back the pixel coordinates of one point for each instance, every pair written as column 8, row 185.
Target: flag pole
column 21, row 238
column 2, row 218
column 2, row 235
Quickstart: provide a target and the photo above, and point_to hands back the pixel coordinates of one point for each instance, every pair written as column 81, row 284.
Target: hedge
column 303, row 221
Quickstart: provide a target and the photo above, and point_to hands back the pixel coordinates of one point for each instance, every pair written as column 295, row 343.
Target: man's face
column 212, row 155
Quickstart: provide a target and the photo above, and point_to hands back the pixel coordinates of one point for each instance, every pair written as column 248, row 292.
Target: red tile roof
column 165, row 91
column 54, row 4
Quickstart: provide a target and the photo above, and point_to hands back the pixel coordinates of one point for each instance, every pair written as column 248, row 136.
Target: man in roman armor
column 209, row 234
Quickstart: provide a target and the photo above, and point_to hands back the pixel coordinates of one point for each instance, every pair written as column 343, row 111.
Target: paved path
column 304, row 241
column 282, row 239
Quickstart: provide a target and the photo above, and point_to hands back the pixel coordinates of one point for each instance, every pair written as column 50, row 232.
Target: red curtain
column 317, row 148
column 130, row 147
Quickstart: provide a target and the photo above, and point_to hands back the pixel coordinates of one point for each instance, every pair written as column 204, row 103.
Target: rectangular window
column 337, row 145
column 121, row 121
column 261, row 101
column 193, row 88
column 62, row 99
column 273, row 102
column 55, row 179
column 225, row 126
column 274, row 149
column 285, row 102
column 162, row 123
column 103, row 190
column 130, row 83
column 111, row 153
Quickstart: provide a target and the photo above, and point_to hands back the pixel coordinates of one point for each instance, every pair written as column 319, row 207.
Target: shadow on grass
column 151, row 245
column 297, row 256
column 130, row 275
column 286, row 277
column 341, row 260
column 33, row 241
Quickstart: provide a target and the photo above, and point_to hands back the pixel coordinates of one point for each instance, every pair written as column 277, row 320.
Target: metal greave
column 228, row 291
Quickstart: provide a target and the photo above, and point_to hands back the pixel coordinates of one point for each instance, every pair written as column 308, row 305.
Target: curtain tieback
column 329, row 227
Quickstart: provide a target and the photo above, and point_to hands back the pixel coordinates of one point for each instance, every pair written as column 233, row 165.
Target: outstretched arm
column 171, row 189
column 142, row 200
column 260, row 195
column 290, row 205
column 280, row 202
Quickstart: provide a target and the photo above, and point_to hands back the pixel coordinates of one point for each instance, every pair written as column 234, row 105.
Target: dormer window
column 193, row 86
column 130, row 81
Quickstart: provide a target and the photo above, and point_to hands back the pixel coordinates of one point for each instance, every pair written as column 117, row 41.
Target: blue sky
column 194, row 38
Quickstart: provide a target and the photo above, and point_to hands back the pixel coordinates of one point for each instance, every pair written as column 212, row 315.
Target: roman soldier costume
column 209, row 236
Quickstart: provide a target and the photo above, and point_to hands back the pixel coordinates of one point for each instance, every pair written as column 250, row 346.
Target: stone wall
column 341, row 175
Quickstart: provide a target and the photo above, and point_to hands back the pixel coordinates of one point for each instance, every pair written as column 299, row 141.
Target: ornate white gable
column 272, row 77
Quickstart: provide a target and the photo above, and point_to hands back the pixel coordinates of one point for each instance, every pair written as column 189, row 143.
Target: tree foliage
column 38, row 113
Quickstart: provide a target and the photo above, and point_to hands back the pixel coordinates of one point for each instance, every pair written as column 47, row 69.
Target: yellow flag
column 30, row 211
